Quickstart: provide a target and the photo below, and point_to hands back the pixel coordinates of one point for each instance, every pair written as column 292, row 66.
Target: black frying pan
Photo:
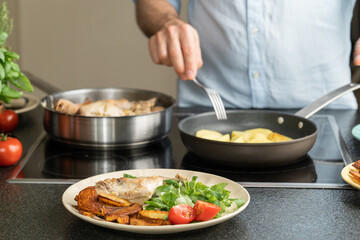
column 298, row 127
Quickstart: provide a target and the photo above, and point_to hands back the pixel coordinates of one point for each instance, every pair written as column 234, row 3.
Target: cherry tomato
column 205, row 211
column 181, row 214
column 10, row 150
column 8, row 121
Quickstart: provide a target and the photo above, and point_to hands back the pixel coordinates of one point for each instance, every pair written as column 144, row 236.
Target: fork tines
column 215, row 100
column 217, row 104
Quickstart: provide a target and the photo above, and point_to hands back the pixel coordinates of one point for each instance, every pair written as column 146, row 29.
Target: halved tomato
column 205, row 211
column 181, row 214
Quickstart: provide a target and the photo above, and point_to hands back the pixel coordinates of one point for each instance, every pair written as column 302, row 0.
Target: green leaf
column 128, row 175
column 239, row 202
column 5, row 99
column 12, row 75
column 2, row 55
column 158, row 204
column 9, row 92
column 14, row 66
column 172, row 182
column 7, row 67
column 22, row 82
column 3, row 37
column 188, row 192
column 2, row 72
column 162, row 189
column 169, row 199
column 184, row 199
column 11, row 55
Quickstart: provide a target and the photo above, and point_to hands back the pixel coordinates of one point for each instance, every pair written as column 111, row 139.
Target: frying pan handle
column 41, row 84
column 314, row 107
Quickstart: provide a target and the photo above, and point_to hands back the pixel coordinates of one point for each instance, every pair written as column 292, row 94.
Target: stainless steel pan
column 128, row 131
column 298, row 127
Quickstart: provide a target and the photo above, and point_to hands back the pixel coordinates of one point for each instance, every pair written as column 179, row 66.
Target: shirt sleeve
column 175, row 3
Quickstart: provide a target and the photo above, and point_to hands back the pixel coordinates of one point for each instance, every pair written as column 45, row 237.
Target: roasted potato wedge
column 355, row 175
column 153, row 217
column 142, row 222
column 224, row 138
column 208, row 134
column 264, row 131
column 256, row 135
column 277, row 137
column 113, row 200
column 129, row 210
column 356, row 165
column 153, row 214
column 123, row 219
column 87, row 201
column 88, row 214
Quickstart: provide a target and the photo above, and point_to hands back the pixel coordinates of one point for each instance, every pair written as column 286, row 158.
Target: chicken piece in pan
column 107, row 108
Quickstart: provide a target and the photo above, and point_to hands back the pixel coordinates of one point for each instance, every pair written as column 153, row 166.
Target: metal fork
column 215, row 100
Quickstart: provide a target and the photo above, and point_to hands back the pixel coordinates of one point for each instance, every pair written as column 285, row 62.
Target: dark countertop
column 35, row 211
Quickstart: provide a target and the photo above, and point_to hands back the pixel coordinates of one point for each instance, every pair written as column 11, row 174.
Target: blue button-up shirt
column 270, row 53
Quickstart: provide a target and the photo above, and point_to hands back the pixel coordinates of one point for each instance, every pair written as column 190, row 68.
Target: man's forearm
column 153, row 15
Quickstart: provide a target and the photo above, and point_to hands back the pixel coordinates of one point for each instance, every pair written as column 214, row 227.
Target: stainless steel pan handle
column 320, row 103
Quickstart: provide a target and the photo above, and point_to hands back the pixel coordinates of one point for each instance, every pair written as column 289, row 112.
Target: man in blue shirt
column 255, row 53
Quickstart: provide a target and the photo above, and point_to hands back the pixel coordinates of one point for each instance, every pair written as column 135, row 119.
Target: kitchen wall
column 94, row 43
column 85, row 43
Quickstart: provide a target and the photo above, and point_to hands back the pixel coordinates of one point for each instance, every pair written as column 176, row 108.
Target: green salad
column 175, row 192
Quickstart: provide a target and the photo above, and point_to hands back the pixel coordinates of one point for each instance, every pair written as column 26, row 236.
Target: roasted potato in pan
column 256, row 135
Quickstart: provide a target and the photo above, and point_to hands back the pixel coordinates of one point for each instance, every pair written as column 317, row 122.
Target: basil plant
column 10, row 73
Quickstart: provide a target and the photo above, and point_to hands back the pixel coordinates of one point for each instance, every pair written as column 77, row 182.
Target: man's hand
column 177, row 45
column 356, row 53
column 172, row 42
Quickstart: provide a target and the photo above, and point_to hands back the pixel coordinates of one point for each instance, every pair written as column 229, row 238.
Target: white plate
column 24, row 104
column 345, row 175
column 237, row 191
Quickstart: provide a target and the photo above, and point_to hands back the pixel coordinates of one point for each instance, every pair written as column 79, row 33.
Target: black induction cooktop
column 50, row 161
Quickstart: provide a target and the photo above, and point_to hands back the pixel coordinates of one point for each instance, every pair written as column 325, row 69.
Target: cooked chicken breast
column 108, row 108
column 65, row 106
column 136, row 190
column 102, row 108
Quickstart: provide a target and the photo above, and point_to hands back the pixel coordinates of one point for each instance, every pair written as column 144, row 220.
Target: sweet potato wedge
column 87, row 201
column 113, row 200
column 152, row 216
column 355, row 175
column 123, row 219
column 142, row 222
column 105, row 209
column 129, row 210
column 88, row 214
column 356, row 164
